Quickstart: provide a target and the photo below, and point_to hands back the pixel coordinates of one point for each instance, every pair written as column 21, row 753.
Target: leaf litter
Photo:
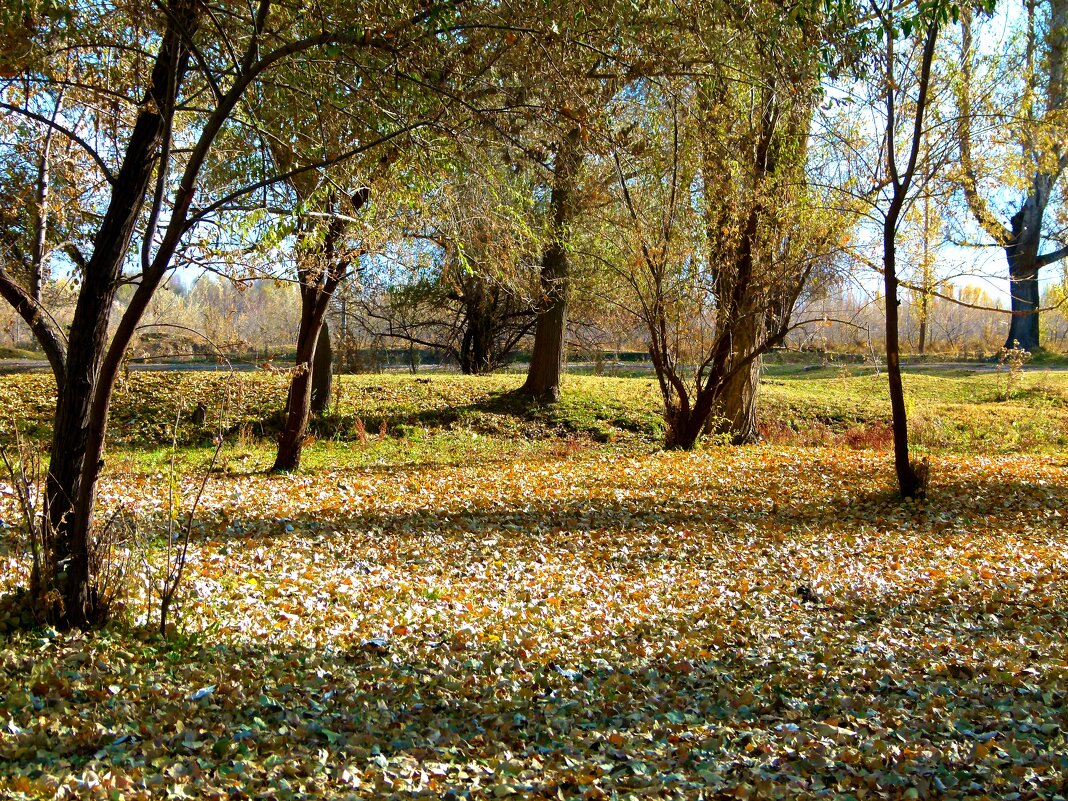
column 607, row 625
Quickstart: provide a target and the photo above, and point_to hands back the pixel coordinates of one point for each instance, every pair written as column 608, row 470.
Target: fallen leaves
column 609, row 625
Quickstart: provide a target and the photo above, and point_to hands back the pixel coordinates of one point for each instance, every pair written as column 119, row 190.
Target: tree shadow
column 640, row 716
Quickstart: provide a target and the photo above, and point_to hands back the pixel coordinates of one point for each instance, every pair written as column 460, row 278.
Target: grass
column 8, row 352
column 400, row 419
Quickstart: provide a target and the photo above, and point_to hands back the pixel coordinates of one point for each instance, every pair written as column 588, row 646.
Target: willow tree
column 466, row 277
column 1012, row 109
column 722, row 228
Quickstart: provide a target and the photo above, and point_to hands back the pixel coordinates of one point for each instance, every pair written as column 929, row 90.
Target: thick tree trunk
column 686, row 423
column 76, row 457
column 683, row 431
column 1023, row 327
column 322, row 371
column 736, row 412
column 547, row 355
column 1022, row 256
column 298, row 403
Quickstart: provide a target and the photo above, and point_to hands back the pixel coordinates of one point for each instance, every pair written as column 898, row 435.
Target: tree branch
column 108, row 176
column 47, row 333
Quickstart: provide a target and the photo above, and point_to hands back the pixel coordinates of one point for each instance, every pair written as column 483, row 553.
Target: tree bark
column 683, row 431
column 736, row 412
column 298, row 402
column 908, row 481
column 76, row 457
column 322, row 371
column 1021, row 253
column 686, row 422
column 547, row 355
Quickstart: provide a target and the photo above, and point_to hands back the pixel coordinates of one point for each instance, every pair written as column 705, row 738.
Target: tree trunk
column 322, row 371
column 547, row 355
column 683, row 431
column 686, row 423
column 298, row 403
column 319, row 278
column 735, row 410
column 476, row 348
column 923, row 323
column 908, row 482
column 1022, row 256
column 76, row 457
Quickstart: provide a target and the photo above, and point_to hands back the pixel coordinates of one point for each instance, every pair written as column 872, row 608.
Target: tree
column 464, row 284
column 572, row 126
column 724, row 229
column 154, row 197
column 467, row 77
column 321, row 267
column 739, row 228
column 1029, row 100
column 547, row 354
column 899, row 179
column 475, row 318
column 322, row 378
column 325, row 204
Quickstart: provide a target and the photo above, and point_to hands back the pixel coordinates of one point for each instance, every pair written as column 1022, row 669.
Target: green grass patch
column 443, row 419
column 7, row 352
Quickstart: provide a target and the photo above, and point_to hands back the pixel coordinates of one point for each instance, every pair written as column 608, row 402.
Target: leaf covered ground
column 573, row 619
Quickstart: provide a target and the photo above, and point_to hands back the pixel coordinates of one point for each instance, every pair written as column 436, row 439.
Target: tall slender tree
column 906, row 99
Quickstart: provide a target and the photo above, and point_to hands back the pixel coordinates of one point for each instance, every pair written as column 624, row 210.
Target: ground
column 481, row 604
